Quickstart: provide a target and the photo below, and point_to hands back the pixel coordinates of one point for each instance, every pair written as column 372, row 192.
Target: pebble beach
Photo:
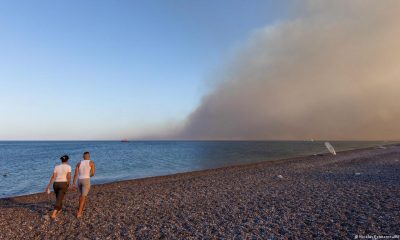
column 354, row 194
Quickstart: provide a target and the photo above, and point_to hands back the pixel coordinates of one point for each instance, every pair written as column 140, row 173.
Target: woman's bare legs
column 54, row 215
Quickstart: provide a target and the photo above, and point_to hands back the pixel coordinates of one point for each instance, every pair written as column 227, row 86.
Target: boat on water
column 124, row 140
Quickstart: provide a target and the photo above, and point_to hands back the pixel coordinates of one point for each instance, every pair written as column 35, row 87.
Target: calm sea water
column 26, row 167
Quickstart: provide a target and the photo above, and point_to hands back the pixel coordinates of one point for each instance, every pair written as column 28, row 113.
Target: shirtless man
column 84, row 170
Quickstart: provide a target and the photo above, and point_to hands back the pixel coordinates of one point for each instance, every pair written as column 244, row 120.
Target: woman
column 61, row 178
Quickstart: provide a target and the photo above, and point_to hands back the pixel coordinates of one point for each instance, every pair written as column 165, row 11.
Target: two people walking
column 61, row 179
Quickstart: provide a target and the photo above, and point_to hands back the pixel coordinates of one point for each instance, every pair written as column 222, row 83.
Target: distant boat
column 124, row 140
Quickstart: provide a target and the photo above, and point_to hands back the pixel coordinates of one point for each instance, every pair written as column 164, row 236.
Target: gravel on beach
column 355, row 193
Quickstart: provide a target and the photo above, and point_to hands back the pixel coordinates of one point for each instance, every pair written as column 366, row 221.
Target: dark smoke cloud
column 331, row 72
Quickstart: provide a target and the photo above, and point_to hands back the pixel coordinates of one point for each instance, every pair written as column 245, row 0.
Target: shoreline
column 223, row 167
column 353, row 193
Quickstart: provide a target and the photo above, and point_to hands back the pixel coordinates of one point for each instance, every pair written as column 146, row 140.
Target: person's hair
column 85, row 153
column 64, row 158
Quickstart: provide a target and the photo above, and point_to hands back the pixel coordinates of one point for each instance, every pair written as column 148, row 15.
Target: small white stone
column 280, row 176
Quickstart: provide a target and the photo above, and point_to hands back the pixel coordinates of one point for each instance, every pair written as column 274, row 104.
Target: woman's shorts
column 84, row 186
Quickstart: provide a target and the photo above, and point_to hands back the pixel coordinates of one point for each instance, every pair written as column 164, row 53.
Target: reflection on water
column 25, row 167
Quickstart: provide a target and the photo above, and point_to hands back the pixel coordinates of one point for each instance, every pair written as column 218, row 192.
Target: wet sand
column 318, row 197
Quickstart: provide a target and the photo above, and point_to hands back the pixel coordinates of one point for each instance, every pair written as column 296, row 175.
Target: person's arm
column 93, row 169
column 76, row 174
column 53, row 177
column 68, row 178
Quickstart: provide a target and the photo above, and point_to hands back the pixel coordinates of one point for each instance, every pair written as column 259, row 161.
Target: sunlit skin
column 83, row 199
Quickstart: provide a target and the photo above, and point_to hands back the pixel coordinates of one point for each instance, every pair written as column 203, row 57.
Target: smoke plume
column 330, row 72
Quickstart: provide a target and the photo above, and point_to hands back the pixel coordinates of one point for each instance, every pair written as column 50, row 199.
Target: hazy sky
column 189, row 69
column 115, row 69
column 331, row 71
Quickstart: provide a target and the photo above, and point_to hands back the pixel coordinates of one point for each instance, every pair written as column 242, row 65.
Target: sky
column 200, row 70
column 331, row 71
column 94, row 70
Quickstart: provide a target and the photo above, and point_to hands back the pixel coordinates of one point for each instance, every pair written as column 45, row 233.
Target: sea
column 26, row 166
